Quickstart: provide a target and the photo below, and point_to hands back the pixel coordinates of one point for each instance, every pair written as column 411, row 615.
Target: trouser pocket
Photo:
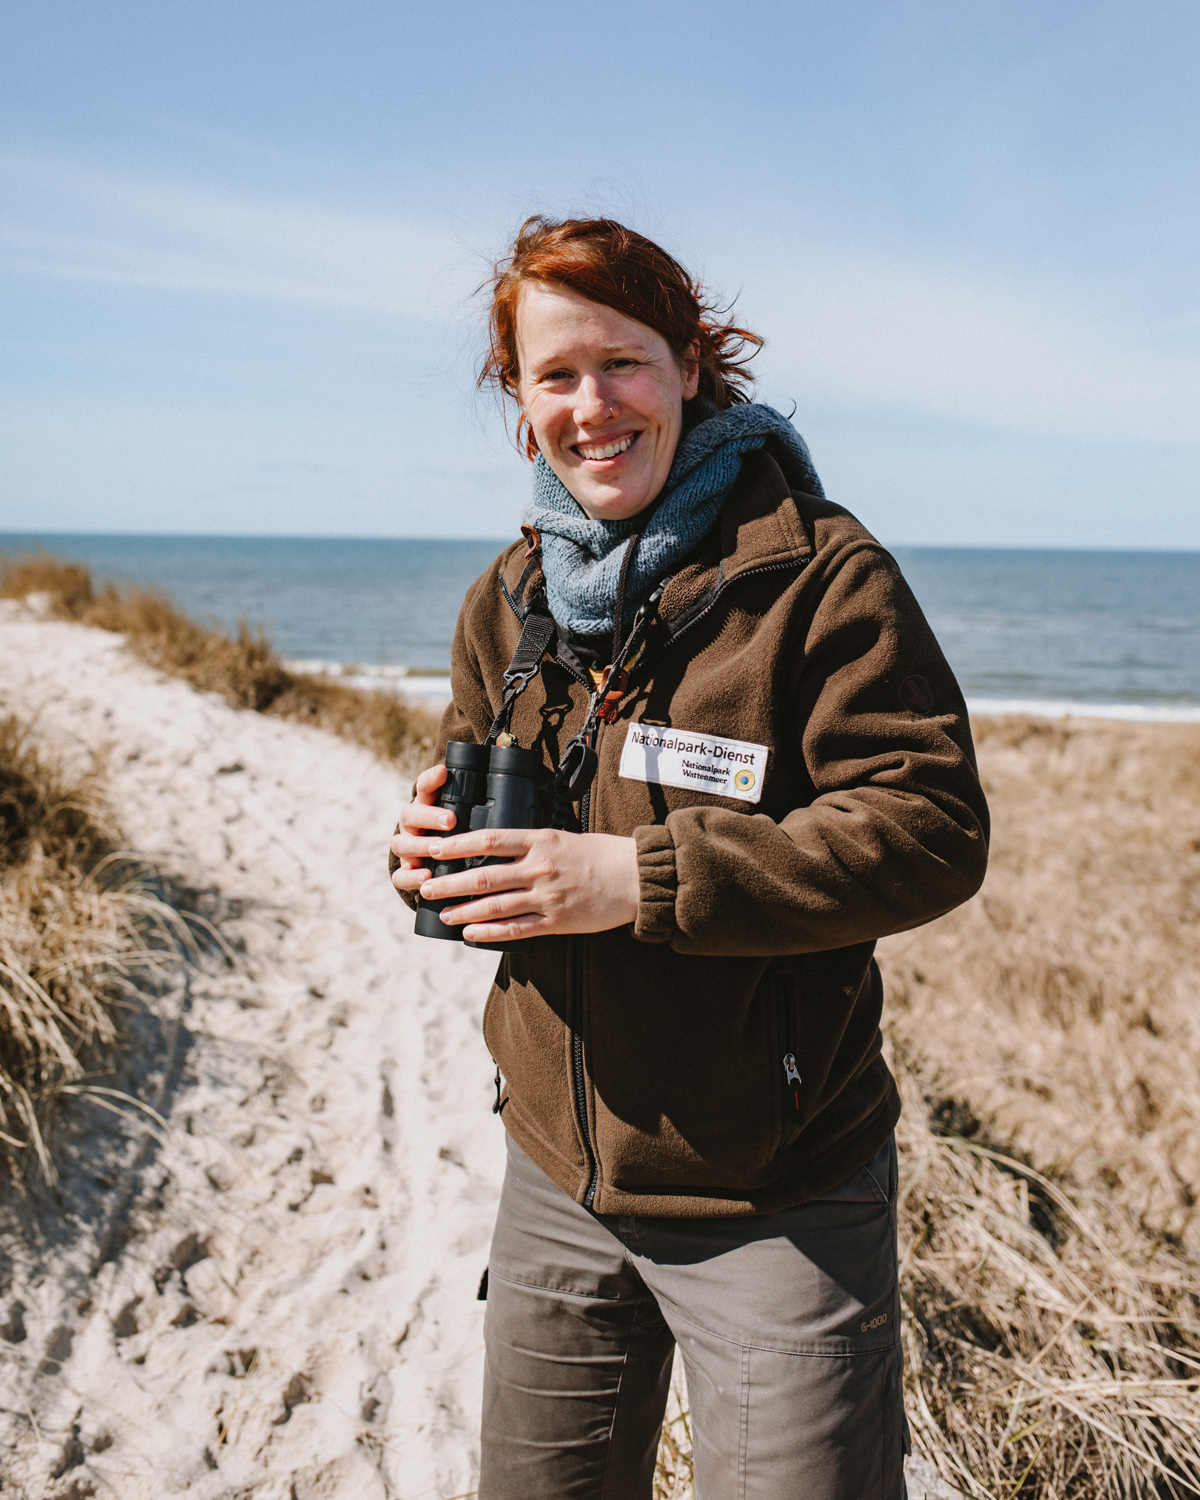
column 767, row 1425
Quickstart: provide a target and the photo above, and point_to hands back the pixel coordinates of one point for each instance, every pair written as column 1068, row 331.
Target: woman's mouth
column 593, row 452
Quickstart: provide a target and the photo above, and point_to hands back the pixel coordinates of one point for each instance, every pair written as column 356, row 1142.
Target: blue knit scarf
column 582, row 558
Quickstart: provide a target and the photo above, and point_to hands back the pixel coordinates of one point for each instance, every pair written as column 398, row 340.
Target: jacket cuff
column 658, row 883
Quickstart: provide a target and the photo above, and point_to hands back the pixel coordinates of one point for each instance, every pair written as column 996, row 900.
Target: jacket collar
column 760, row 527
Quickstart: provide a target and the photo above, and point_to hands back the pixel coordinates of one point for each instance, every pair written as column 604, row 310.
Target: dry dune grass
column 80, row 930
column 1054, row 1337
column 243, row 668
column 1052, row 1345
column 1063, row 1000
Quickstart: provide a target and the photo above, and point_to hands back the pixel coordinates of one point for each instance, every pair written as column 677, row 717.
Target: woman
column 700, row 1121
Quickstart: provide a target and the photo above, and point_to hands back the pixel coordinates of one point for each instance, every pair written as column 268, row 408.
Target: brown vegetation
column 242, row 668
column 1054, row 1337
column 80, row 931
column 1063, row 998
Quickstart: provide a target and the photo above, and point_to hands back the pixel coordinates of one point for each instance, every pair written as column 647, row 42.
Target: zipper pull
column 791, row 1078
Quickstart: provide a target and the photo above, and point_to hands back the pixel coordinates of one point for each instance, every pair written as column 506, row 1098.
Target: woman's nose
column 593, row 403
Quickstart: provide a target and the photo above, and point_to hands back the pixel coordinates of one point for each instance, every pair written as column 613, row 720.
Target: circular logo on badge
column 744, row 780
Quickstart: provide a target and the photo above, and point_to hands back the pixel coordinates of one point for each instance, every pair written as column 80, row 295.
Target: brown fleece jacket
column 722, row 1056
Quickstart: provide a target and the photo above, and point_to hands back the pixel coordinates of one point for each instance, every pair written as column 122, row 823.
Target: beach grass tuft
column 82, row 931
column 1052, row 1347
column 242, row 667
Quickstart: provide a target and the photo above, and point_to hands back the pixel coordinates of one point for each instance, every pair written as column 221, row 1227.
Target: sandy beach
column 291, row 1308
column 278, row 1298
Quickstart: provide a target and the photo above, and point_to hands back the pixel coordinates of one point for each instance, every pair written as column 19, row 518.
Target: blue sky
column 238, row 247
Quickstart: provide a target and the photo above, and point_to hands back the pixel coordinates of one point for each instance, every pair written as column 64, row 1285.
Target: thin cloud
column 87, row 226
column 857, row 330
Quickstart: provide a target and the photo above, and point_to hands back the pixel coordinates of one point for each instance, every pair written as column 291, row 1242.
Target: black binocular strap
column 536, row 634
column 579, row 764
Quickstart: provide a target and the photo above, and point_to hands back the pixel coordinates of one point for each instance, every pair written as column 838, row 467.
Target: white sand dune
column 332, row 1146
column 288, row 1310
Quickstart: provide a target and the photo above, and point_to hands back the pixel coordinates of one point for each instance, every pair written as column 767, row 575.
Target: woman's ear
column 690, row 368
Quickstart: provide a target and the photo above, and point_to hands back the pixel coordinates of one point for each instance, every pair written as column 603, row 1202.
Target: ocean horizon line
column 508, row 537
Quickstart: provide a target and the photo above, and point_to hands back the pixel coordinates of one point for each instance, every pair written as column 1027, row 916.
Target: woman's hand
column 410, row 841
column 556, row 882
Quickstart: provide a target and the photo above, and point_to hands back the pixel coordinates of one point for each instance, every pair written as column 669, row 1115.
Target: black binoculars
column 496, row 786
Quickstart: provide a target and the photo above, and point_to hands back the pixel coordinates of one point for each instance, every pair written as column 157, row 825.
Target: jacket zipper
column 578, row 956
column 578, row 967
column 579, row 1080
column 792, row 1082
column 791, row 1072
column 727, row 583
column 578, row 1077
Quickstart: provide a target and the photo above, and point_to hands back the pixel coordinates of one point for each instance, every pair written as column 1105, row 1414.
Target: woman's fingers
column 408, row 875
column 501, row 907
column 428, row 782
column 547, row 881
column 506, row 932
column 419, row 819
column 494, row 843
column 412, row 848
column 536, row 880
column 418, row 853
column 474, row 885
column 419, row 827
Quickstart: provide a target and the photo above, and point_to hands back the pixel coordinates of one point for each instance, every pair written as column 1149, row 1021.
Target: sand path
column 287, row 1308
column 331, row 1145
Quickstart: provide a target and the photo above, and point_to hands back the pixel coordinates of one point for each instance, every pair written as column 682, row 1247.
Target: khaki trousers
column 788, row 1326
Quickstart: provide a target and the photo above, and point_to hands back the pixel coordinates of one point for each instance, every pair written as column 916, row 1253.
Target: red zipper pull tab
column 791, row 1078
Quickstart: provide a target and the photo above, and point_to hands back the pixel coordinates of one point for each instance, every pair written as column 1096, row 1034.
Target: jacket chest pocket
column 785, row 1065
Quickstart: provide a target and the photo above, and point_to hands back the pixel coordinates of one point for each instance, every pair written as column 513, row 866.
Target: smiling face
column 604, row 395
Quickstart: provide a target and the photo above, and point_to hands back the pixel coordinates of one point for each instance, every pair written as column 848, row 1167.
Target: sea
column 1095, row 633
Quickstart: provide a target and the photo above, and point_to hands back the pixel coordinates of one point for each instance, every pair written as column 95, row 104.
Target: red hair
column 607, row 263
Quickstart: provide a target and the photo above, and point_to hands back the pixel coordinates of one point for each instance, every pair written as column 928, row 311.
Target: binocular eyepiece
column 497, row 786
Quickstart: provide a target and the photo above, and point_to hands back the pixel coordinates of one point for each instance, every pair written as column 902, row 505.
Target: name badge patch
column 695, row 762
